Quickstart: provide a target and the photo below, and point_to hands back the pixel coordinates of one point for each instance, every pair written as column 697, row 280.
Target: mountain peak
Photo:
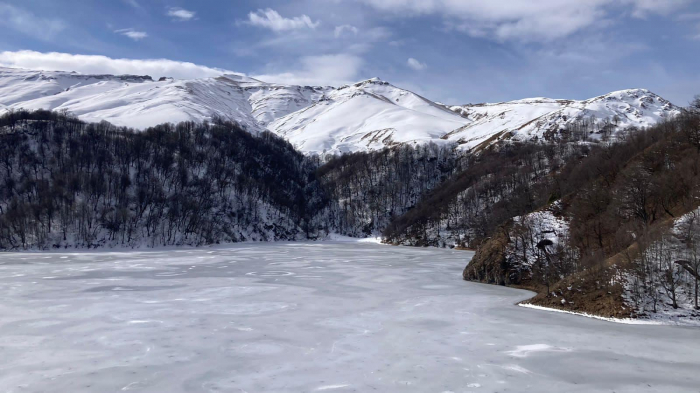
column 371, row 81
column 631, row 91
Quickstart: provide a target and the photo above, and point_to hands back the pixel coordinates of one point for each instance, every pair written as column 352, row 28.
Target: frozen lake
column 306, row 317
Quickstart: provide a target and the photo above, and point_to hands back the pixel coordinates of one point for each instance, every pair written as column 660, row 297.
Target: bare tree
column 689, row 235
column 649, row 258
column 636, row 194
column 671, row 277
column 690, row 122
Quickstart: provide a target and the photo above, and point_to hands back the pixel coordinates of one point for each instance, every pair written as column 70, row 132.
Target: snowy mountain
column 540, row 117
column 365, row 116
column 368, row 115
column 140, row 102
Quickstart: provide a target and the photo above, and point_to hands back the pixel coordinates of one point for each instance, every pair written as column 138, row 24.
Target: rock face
column 364, row 116
column 489, row 263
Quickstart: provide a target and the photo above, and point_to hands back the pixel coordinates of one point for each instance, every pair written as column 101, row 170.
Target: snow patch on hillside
column 541, row 227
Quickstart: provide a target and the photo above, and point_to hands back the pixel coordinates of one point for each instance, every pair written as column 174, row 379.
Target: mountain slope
column 141, row 102
column 368, row 115
column 365, row 116
column 538, row 118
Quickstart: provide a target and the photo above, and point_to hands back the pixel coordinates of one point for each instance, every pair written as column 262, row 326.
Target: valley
column 429, row 196
column 233, row 159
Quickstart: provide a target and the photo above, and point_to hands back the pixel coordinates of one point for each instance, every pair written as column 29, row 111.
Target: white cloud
column 331, row 70
column 525, row 20
column 416, row 65
column 133, row 3
column 91, row 64
column 133, row 34
column 643, row 8
column 181, row 14
column 28, row 23
column 689, row 17
column 339, row 30
column 377, row 34
column 271, row 19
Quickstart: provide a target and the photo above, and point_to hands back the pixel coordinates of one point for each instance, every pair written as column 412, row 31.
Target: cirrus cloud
column 132, row 33
column 526, row 20
column 92, row 64
column 181, row 14
column 339, row 30
column 416, row 65
column 271, row 19
column 644, row 8
column 334, row 70
column 28, row 23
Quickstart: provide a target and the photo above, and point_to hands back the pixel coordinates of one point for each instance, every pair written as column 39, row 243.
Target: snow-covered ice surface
column 307, row 317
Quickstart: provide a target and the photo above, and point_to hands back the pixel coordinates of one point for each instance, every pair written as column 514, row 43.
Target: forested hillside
column 369, row 190
column 498, row 182
column 613, row 232
column 66, row 183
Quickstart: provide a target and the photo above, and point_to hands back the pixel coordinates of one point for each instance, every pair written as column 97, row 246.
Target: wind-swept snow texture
column 368, row 115
column 141, row 102
column 307, row 317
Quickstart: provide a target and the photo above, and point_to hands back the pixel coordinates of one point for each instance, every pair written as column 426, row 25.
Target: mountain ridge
column 368, row 115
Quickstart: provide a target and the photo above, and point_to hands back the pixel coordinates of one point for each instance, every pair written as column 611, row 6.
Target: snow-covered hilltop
column 141, row 102
column 541, row 117
column 368, row 115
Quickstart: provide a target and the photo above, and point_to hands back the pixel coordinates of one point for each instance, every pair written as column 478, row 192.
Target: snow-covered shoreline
column 625, row 321
column 332, row 237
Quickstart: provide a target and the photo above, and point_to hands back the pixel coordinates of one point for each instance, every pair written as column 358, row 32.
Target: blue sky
column 454, row 51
